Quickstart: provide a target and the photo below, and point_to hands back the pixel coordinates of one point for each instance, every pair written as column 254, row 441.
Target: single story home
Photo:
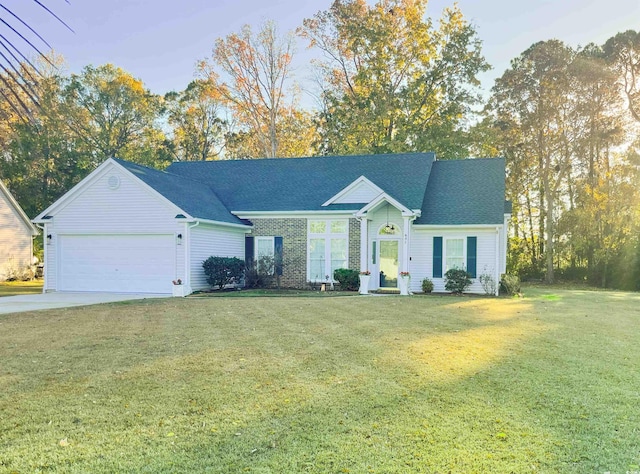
column 16, row 237
column 129, row 228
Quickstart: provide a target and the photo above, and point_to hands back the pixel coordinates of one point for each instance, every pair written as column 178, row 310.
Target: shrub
column 222, row 271
column 510, row 284
column 457, row 281
column 427, row 285
column 488, row 284
column 260, row 273
column 348, row 279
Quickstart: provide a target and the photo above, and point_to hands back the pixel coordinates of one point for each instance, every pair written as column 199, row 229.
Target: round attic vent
column 113, row 181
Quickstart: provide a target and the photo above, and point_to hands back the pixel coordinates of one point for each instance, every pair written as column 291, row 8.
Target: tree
column 558, row 117
column 258, row 70
column 40, row 159
column 115, row 116
column 391, row 81
column 18, row 91
column 530, row 102
column 623, row 54
column 194, row 114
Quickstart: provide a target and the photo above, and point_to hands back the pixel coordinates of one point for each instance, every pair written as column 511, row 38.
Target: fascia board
column 73, row 192
column 92, row 178
column 456, row 226
column 406, row 212
column 289, row 214
column 18, row 209
column 350, row 187
column 219, row 223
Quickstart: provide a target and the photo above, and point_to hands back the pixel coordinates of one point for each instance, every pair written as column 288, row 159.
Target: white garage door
column 117, row 263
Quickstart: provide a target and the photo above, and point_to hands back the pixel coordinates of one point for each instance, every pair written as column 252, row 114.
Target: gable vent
column 113, row 182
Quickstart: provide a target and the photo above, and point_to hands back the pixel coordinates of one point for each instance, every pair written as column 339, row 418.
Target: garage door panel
column 118, row 263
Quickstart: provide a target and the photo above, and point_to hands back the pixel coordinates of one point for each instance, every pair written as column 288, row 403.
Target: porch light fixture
column 48, row 239
column 179, row 239
column 389, row 228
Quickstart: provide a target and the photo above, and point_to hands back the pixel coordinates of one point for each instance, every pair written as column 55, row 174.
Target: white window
column 328, row 247
column 454, row 252
column 265, row 253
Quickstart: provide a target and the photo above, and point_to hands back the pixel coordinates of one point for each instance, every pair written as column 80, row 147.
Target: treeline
column 389, row 80
column 567, row 121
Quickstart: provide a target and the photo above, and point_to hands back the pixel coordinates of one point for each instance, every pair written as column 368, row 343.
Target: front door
column 388, row 258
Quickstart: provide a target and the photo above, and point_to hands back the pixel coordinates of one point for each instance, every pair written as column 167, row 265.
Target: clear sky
column 159, row 41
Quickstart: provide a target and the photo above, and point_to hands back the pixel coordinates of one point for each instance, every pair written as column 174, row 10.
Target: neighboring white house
column 129, row 228
column 16, row 237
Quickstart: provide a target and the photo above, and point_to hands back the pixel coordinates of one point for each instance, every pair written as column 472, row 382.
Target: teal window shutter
column 277, row 250
column 472, row 246
column 437, row 257
column 373, row 252
column 248, row 251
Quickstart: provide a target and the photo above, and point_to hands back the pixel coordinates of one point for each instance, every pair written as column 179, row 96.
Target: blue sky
column 159, row 41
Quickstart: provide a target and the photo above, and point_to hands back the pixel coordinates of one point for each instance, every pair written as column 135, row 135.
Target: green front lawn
column 547, row 383
column 13, row 288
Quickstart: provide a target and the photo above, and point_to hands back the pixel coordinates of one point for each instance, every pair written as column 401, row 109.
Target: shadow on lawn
column 446, row 385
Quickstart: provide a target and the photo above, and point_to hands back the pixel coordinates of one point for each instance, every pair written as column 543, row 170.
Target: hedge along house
column 134, row 229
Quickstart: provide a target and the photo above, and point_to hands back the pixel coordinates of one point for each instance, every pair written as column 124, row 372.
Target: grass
column 352, row 384
column 13, row 288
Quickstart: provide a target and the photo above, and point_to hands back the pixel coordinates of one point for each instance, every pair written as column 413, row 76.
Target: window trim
column 445, row 256
column 327, row 236
column 465, row 241
column 265, row 238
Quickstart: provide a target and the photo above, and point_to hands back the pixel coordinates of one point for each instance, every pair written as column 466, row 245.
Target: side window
column 265, row 253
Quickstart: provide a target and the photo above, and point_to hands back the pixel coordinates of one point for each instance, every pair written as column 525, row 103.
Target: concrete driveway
column 17, row 304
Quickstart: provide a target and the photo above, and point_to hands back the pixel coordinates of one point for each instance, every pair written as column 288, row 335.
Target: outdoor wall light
column 48, row 239
column 179, row 239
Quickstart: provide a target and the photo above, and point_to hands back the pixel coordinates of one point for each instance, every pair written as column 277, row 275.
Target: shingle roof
column 194, row 197
column 455, row 192
column 463, row 192
column 304, row 184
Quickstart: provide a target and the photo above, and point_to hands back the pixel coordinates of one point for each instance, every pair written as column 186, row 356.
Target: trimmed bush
column 222, row 271
column 488, row 284
column 349, row 279
column 427, row 285
column 510, row 284
column 260, row 273
column 457, row 281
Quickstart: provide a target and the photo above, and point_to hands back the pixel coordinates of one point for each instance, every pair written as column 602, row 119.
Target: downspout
column 497, row 270
column 406, row 250
column 187, row 257
column 44, row 255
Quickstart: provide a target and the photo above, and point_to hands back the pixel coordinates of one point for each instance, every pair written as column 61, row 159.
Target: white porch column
column 364, row 244
column 404, row 267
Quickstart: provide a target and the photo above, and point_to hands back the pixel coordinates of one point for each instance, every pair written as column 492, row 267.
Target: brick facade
column 294, row 246
column 354, row 244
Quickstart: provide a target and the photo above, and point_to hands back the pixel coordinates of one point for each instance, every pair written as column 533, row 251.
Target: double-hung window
column 328, row 247
column 454, row 252
column 266, row 252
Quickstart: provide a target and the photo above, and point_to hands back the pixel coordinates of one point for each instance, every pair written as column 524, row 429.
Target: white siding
column 421, row 265
column 211, row 240
column 361, row 193
column 15, row 239
column 98, row 208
